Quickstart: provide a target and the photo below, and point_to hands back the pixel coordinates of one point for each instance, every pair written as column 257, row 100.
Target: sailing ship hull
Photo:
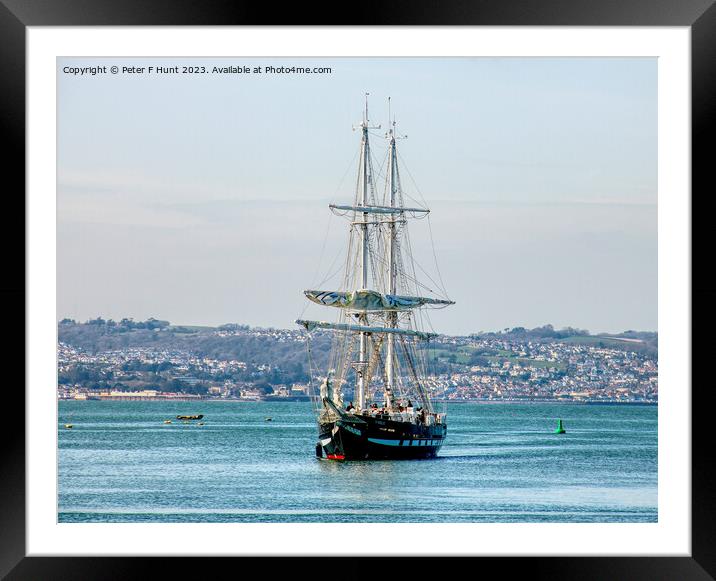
column 366, row 437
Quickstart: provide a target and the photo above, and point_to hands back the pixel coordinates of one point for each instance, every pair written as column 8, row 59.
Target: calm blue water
column 500, row 463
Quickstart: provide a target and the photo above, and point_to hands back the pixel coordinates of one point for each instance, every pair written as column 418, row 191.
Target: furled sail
column 310, row 325
column 370, row 300
column 378, row 209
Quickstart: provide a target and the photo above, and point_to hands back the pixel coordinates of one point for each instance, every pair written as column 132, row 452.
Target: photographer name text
column 194, row 70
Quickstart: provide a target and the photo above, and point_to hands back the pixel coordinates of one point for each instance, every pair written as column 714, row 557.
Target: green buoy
column 560, row 428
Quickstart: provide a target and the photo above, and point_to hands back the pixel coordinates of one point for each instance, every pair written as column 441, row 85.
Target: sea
column 501, row 462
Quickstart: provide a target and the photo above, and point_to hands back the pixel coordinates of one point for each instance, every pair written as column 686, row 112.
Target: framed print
column 177, row 163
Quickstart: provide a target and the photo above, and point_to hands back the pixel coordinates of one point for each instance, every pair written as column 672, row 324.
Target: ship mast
column 362, row 366
column 392, row 290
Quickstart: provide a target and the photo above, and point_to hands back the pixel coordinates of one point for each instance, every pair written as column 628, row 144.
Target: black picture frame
column 17, row 15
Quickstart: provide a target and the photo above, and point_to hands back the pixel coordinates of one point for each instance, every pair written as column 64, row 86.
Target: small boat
column 167, row 421
column 268, row 420
column 200, row 424
column 197, row 417
column 69, row 426
column 560, row 428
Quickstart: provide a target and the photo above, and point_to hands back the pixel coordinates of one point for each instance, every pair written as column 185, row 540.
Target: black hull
column 366, row 438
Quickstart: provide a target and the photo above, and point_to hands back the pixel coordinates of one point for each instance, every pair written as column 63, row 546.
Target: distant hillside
column 514, row 363
column 281, row 349
column 644, row 342
column 286, row 349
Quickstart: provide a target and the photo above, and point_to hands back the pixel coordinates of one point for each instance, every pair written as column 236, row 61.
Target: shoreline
column 451, row 401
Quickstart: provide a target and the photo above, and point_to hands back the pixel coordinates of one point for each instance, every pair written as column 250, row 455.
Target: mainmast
column 362, row 366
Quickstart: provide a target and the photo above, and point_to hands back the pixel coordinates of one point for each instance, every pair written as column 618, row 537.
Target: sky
column 202, row 198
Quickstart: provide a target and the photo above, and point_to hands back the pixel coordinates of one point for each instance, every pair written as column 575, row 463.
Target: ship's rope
column 351, row 165
column 432, row 242
column 420, row 202
column 315, row 396
column 435, row 258
column 372, row 360
column 413, row 371
column 325, row 239
column 345, row 358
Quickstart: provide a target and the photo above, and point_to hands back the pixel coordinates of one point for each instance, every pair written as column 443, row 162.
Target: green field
column 463, row 355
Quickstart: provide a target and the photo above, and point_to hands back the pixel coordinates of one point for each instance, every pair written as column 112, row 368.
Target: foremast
column 362, row 365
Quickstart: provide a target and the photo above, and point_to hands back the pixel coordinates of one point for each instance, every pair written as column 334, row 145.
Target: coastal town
column 488, row 367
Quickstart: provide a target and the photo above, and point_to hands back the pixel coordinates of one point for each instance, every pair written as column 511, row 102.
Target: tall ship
column 381, row 343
